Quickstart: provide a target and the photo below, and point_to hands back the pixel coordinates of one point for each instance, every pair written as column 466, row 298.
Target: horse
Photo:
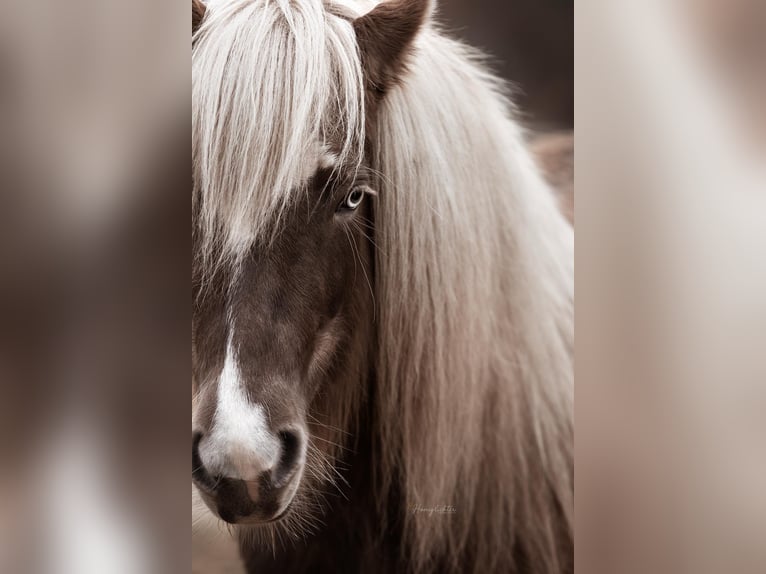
column 382, row 298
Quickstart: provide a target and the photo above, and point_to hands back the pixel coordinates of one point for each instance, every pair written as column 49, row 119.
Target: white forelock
column 273, row 83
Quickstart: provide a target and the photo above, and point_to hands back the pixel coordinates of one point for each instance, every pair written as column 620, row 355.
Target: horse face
column 281, row 327
column 279, row 342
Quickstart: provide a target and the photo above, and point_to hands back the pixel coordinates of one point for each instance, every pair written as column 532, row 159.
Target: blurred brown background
column 530, row 43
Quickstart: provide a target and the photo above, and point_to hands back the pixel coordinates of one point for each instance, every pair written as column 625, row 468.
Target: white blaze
column 240, row 444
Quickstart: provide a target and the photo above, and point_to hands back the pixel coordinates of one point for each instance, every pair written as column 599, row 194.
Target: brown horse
column 382, row 299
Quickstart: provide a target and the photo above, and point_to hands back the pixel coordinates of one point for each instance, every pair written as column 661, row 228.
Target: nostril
column 291, row 443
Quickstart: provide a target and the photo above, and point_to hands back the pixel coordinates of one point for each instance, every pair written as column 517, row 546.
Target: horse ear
column 385, row 36
column 198, row 12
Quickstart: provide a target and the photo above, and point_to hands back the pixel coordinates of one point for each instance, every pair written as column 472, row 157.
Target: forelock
column 276, row 85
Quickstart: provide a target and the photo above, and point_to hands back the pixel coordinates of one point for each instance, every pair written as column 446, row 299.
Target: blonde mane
column 278, row 85
column 475, row 293
column 473, row 396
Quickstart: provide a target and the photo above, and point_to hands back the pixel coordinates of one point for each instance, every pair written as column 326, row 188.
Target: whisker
column 366, row 277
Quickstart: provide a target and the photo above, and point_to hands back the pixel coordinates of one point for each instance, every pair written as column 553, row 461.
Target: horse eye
column 353, row 200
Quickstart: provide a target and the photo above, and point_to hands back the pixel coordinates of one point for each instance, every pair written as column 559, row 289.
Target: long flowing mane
column 472, row 394
column 475, row 289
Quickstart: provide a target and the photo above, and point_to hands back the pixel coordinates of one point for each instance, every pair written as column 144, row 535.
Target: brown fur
column 303, row 310
column 385, row 36
column 198, row 13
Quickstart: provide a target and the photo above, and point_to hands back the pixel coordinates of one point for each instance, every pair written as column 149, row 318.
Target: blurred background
column 671, row 286
column 530, row 44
